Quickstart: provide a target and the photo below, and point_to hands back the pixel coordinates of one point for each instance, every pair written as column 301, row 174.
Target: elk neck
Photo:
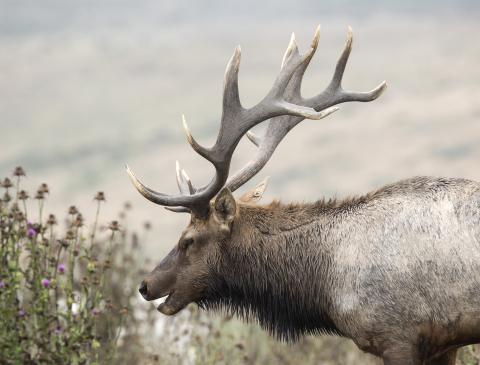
column 276, row 268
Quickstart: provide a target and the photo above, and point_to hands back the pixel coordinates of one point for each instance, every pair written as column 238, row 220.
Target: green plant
column 62, row 291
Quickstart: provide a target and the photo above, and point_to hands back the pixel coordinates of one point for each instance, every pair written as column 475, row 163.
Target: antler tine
column 256, row 140
column 186, row 178
column 180, row 182
column 195, row 145
column 292, row 49
column 278, row 127
column 334, row 93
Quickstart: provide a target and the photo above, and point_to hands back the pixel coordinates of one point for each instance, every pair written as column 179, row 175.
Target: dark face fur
column 184, row 273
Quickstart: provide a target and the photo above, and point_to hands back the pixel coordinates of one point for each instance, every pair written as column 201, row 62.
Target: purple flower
column 2, row 284
column 95, row 312
column 58, row 330
column 21, row 313
column 61, row 268
column 31, row 232
column 45, row 282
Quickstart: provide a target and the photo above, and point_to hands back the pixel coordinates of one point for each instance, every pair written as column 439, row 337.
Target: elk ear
column 255, row 194
column 225, row 206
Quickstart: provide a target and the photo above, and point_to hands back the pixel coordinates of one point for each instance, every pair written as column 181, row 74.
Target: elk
column 395, row 270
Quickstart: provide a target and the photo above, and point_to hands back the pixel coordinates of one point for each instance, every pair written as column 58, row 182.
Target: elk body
column 395, row 270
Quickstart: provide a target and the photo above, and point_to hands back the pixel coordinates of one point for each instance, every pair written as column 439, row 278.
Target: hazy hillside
column 88, row 86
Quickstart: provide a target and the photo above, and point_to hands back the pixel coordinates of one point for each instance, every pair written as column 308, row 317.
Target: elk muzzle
column 160, row 282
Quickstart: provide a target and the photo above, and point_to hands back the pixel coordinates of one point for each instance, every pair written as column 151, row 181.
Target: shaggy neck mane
column 275, row 269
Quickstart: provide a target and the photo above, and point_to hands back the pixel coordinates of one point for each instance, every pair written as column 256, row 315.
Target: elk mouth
column 172, row 304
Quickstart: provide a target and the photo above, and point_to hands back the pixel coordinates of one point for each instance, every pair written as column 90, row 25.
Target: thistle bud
column 7, row 183
column 51, row 220
column 114, row 226
column 44, row 188
column 100, row 196
column 72, row 210
column 19, row 171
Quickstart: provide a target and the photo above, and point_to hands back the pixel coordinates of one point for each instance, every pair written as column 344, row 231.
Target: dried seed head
column 23, row 195
column 75, row 252
column 39, row 195
column 70, row 235
column 63, row 243
column 6, row 198
column 240, row 346
column 7, row 183
column 114, row 226
column 123, row 311
column 72, row 210
column 147, row 225
column 51, row 220
column 44, row 188
column 100, row 196
column 19, row 171
column 127, row 205
column 107, row 264
column 78, row 220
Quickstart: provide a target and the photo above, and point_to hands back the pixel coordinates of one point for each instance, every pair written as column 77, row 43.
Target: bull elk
column 396, row 270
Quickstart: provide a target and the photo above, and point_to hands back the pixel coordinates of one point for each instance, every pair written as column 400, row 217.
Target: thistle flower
column 2, row 284
column 78, row 220
column 6, row 197
column 107, row 264
column 21, row 313
column 31, row 232
column 72, row 210
column 61, row 268
column 95, row 312
column 63, row 243
column 58, row 330
column 114, row 226
column 100, row 196
column 70, row 235
column 91, row 267
column 7, row 183
column 45, row 282
column 44, row 188
column 19, row 171
column 51, row 220
column 39, row 195
column 23, row 195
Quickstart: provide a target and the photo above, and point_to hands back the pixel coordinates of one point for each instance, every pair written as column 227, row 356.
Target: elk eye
column 187, row 242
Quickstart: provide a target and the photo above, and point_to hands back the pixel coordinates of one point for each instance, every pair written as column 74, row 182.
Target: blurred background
column 86, row 86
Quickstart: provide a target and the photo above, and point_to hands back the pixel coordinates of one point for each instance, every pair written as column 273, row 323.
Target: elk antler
column 285, row 107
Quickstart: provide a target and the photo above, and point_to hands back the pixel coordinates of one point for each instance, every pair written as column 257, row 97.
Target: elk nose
column 143, row 289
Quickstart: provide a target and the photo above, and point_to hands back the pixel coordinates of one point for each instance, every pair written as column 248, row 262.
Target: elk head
column 184, row 274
